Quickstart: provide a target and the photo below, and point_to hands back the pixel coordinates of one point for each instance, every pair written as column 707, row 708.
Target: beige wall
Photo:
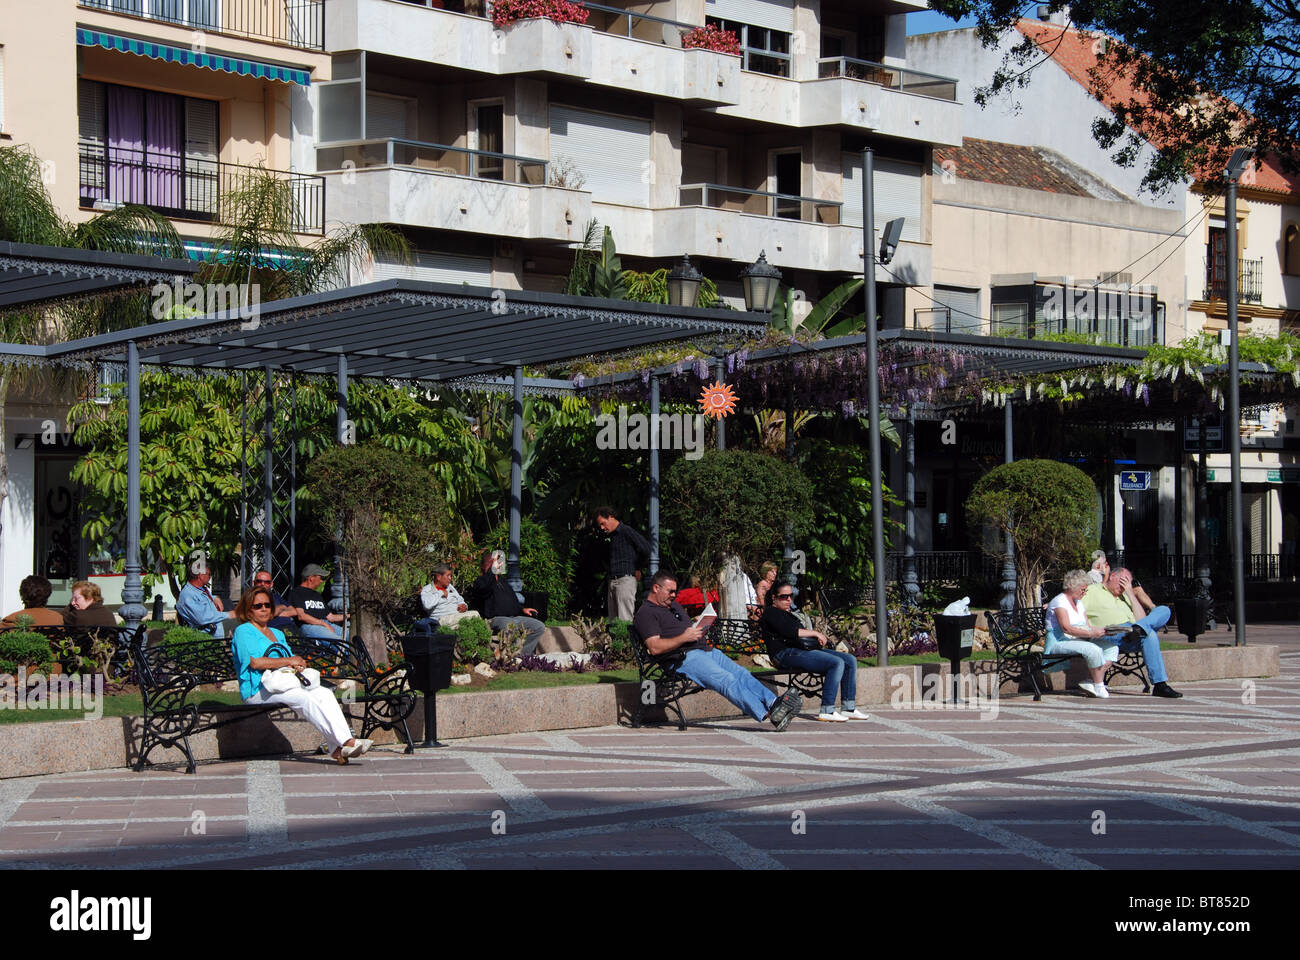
column 980, row 230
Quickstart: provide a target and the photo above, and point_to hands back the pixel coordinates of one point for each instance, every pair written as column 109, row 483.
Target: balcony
column 185, row 188
column 294, row 23
column 627, row 51
column 412, row 183
column 1250, row 280
column 760, row 203
column 891, row 78
column 1132, row 331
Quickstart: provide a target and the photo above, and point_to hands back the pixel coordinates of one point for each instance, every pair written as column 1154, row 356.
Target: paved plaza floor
column 1209, row 781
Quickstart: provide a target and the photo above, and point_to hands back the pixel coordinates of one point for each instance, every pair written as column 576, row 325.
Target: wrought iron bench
column 1018, row 638
column 115, row 643
column 169, row 673
column 733, row 637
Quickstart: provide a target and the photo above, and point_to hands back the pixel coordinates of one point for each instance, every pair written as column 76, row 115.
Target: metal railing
column 759, row 202
column 895, row 78
column 1134, row 331
column 432, row 157
column 295, row 23
column 186, row 188
column 637, row 26
column 936, row 566
column 1250, row 280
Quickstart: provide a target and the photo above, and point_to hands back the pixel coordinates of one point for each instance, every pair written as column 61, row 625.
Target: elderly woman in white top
column 1068, row 632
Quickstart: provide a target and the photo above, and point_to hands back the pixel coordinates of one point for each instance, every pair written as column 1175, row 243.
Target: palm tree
column 28, row 215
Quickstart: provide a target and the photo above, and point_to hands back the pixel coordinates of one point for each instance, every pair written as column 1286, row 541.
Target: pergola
column 34, row 276
column 403, row 331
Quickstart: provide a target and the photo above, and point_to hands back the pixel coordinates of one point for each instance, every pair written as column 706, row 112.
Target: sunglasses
column 261, row 606
column 784, row 596
column 262, row 583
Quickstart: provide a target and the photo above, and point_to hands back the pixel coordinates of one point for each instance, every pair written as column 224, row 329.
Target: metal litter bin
column 1193, row 615
column 430, row 660
column 956, row 638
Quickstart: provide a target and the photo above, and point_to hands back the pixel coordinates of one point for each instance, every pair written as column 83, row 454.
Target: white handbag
column 284, row 679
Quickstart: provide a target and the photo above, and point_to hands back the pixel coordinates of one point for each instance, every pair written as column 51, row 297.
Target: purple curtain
column 163, row 149
column 125, row 114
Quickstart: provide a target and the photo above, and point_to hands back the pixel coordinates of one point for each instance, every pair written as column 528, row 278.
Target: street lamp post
column 873, row 406
column 760, row 281
column 1236, row 166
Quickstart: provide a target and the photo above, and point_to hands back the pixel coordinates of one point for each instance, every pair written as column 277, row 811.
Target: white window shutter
column 773, row 14
column 897, row 194
column 612, row 152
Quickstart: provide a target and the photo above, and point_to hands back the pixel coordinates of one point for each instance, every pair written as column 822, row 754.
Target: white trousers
column 318, row 707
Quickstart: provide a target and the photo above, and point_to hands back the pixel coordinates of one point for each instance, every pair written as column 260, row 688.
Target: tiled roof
column 1007, row 164
column 1076, row 54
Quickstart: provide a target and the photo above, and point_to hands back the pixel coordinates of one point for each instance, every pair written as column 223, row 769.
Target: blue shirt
column 247, row 644
column 193, row 605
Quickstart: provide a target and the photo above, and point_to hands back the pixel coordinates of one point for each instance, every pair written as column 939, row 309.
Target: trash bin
column 430, row 661
column 1193, row 615
column 956, row 639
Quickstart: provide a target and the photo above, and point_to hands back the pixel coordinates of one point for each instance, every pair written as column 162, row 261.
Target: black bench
column 1019, row 637
column 169, row 673
column 732, row 637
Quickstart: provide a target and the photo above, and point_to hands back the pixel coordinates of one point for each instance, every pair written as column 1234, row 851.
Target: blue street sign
column 1135, row 480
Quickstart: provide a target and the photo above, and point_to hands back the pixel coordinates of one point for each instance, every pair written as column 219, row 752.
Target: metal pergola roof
column 33, row 275
column 409, row 330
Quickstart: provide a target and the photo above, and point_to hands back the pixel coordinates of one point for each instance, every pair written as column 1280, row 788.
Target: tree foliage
column 1048, row 509
column 732, row 503
column 1207, row 75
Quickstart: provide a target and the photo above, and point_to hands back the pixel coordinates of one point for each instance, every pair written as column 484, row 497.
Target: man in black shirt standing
column 500, row 607
column 625, row 547
column 665, row 627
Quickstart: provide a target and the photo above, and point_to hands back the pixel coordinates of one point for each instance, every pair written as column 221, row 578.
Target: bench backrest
column 736, row 636
column 1015, row 631
column 209, row 661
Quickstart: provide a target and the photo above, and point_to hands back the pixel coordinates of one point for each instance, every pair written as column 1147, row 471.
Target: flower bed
column 712, row 38
column 560, row 11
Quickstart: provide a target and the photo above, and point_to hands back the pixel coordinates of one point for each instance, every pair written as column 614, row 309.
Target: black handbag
column 803, row 643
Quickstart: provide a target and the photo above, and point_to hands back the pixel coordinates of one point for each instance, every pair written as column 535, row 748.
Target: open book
column 705, row 619
column 1118, row 627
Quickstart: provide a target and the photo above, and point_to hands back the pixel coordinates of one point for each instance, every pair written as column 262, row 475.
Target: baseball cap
column 313, row 570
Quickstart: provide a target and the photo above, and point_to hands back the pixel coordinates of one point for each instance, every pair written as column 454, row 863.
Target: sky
column 930, row 22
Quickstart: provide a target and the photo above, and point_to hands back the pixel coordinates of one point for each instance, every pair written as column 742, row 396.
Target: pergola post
column 132, row 610
column 268, row 475
column 873, row 405
column 721, row 429
column 653, row 530
column 787, row 551
column 338, row 589
column 1008, row 602
column 1204, row 586
column 513, row 576
column 911, row 586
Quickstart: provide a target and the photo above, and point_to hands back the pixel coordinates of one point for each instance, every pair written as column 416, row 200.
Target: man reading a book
column 665, row 628
column 1114, row 606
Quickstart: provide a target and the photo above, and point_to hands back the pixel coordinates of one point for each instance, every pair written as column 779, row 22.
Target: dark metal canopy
column 33, row 275
column 410, row 330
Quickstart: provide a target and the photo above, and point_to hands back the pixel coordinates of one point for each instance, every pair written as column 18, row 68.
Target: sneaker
column 786, row 706
column 1089, row 689
column 856, row 714
column 833, row 717
column 1102, row 691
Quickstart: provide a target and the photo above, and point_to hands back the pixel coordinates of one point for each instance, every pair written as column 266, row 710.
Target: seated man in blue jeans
column 786, row 638
column 313, row 616
column 665, row 627
column 1115, row 602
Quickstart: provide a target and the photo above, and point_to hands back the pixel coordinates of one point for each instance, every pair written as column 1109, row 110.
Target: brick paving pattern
column 1211, row 780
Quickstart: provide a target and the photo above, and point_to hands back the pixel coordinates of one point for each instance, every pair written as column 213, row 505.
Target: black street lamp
column 1241, row 157
column 684, row 284
column 761, row 281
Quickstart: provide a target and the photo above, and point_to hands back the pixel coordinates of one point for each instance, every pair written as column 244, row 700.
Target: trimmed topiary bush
column 474, row 643
column 1048, row 509
column 24, row 648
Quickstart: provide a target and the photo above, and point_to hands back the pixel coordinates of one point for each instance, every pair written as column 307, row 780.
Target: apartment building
column 166, row 103
column 1189, row 267
column 493, row 147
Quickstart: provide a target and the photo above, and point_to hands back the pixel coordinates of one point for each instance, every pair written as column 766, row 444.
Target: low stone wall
column 30, row 749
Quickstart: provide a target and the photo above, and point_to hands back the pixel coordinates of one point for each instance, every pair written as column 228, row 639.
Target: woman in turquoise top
column 252, row 639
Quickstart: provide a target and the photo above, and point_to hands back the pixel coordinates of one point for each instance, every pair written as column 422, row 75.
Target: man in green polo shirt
column 1113, row 603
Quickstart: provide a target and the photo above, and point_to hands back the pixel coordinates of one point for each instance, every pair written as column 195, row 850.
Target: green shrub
column 474, row 641
column 620, row 644
column 25, row 648
column 1048, row 509
column 177, row 636
column 540, row 563
column 8, row 666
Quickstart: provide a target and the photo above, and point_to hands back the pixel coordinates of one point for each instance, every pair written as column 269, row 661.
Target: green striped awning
column 211, row 61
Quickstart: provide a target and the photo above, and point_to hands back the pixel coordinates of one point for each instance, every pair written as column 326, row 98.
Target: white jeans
column 318, row 707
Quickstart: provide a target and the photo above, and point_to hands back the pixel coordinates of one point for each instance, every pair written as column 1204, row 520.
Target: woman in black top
column 794, row 647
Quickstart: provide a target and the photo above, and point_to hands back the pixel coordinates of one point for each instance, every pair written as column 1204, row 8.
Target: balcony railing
column 1250, row 280
column 637, row 26
column 895, row 78
column 1133, row 331
column 186, row 188
column 295, row 23
column 760, row 202
column 433, row 157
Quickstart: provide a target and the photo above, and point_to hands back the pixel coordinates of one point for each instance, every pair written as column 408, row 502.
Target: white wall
column 18, row 538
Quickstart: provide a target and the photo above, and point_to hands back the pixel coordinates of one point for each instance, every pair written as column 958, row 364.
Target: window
column 787, row 182
column 1010, row 320
column 1290, row 239
column 145, row 147
column 764, row 50
column 488, row 133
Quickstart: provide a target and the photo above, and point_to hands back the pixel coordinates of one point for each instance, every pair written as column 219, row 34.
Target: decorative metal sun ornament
column 717, row 400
